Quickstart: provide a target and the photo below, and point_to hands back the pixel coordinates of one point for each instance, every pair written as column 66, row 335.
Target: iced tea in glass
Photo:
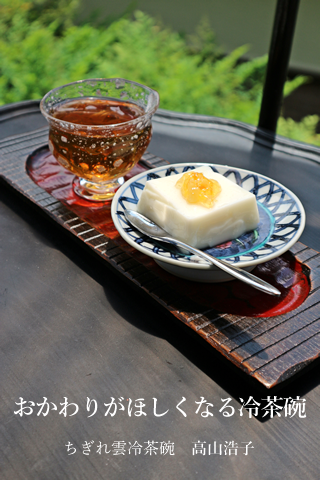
column 98, row 130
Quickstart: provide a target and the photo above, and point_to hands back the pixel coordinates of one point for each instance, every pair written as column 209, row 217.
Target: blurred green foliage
column 41, row 47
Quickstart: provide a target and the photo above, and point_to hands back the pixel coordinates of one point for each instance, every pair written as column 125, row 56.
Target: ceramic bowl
column 282, row 220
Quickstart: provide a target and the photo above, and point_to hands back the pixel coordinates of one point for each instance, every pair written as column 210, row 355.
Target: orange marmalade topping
column 198, row 189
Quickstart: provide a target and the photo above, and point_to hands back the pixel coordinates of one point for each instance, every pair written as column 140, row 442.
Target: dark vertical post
column 279, row 54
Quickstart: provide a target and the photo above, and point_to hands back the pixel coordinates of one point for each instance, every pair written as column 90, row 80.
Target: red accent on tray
column 235, row 297
column 46, row 172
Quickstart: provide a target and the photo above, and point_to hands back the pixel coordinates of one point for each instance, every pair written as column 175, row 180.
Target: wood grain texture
column 269, row 349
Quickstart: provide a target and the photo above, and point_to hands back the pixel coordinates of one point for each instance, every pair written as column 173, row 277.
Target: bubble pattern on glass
column 99, row 157
column 91, row 153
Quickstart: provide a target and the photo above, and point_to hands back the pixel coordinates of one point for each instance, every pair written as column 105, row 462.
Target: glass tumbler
column 98, row 130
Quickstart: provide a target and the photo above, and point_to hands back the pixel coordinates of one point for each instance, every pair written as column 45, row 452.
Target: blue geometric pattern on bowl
column 281, row 218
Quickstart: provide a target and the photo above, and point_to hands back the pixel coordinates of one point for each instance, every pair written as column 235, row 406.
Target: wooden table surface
column 74, row 333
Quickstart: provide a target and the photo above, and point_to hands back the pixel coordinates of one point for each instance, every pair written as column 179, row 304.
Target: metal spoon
column 148, row 227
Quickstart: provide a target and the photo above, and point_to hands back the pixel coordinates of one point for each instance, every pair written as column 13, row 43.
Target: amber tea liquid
column 90, row 155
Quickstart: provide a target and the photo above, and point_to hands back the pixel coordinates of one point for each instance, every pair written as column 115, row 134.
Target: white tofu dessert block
column 234, row 212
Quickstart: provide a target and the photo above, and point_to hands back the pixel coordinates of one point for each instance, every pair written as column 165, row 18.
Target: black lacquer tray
column 269, row 347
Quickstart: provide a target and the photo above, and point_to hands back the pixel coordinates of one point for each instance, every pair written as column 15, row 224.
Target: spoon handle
column 236, row 272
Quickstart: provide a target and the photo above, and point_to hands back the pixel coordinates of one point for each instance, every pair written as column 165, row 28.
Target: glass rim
column 95, row 127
